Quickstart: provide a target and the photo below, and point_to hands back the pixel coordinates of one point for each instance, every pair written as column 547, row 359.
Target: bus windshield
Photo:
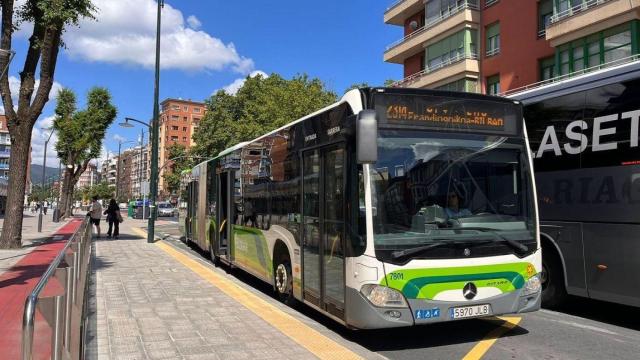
column 457, row 191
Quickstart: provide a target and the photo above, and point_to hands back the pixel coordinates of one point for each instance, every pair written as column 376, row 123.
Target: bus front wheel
column 554, row 293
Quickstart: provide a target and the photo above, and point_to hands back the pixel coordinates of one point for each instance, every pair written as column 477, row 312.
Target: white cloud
column 14, row 86
column 119, row 138
column 125, row 32
column 38, row 137
column 193, row 22
column 233, row 88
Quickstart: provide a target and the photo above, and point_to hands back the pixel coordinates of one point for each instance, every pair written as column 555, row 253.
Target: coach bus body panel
column 299, row 192
column 584, row 138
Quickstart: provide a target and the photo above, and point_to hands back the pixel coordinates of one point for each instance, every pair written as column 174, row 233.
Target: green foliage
column 40, row 194
column 181, row 160
column 101, row 190
column 260, row 105
column 389, row 82
column 80, row 133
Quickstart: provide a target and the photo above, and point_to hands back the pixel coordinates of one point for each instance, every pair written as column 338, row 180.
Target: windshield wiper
column 402, row 253
column 498, row 238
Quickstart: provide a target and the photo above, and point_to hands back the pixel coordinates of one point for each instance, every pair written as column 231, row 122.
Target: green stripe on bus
column 427, row 283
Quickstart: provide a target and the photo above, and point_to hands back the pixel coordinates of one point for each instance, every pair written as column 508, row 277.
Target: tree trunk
column 20, row 148
column 64, row 195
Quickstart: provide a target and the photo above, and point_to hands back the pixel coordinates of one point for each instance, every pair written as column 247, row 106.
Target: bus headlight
column 532, row 285
column 383, row 296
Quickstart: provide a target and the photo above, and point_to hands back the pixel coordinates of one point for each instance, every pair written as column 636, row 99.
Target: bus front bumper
column 362, row 314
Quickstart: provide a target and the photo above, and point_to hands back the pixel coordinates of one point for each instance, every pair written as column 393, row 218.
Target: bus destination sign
column 453, row 114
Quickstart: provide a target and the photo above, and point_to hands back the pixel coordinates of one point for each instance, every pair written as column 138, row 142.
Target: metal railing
column 492, row 52
column 556, row 79
column 64, row 311
column 542, row 33
column 431, row 23
column 488, row 3
column 429, row 69
column 585, row 5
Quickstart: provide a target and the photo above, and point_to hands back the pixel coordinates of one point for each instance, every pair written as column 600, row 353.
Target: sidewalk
column 21, row 271
column 152, row 301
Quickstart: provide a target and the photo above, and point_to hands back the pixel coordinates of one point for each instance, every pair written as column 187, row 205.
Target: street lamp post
column 154, row 135
column 44, row 167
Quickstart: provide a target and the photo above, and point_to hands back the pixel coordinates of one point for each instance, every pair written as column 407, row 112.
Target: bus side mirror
column 367, row 137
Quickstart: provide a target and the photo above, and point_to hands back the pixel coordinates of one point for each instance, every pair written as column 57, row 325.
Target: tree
column 357, row 86
column 80, row 135
column 101, row 190
column 260, row 105
column 49, row 19
column 180, row 160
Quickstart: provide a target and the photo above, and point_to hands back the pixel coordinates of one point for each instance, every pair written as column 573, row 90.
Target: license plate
column 470, row 311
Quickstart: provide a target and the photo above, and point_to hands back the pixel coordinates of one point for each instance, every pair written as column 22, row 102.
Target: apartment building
column 178, row 121
column 494, row 46
column 109, row 170
column 139, row 169
column 5, row 153
column 88, row 178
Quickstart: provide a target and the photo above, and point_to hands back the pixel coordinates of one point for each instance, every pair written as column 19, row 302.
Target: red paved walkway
column 15, row 285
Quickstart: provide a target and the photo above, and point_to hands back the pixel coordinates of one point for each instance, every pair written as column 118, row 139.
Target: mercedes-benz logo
column 469, row 291
column 467, row 252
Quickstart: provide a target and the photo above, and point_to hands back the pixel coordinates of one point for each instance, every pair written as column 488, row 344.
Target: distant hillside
column 36, row 174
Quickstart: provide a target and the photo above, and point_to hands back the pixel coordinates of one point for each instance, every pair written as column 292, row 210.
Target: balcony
column 446, row 24
column 461, row 66
column 5, row 153
column 399, row 11
column 4, row 166
column 589, row 17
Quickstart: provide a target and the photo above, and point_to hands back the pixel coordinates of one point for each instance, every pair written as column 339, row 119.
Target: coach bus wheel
column 284, row 281
column 553, row 291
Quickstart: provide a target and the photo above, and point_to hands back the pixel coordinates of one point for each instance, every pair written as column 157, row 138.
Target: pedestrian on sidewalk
column 114, row 218
column 45, row 206
column 95, row 213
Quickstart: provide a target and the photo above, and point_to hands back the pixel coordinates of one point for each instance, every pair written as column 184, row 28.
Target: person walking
column 95, row 212
column 114, row 218
column 45, row 205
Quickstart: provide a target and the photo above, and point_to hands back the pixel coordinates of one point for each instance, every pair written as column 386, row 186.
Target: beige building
column 88, row 178
column 178, row 121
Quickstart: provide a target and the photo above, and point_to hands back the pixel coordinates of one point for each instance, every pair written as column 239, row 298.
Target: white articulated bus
column 392, row 207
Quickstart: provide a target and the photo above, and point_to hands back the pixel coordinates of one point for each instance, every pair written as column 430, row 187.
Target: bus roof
column 583, row 82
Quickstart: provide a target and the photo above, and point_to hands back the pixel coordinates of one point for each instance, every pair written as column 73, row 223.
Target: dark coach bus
column 584, row 140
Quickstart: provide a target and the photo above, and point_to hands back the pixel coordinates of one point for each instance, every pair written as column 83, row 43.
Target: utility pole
column 44, row 167
column 154, row 134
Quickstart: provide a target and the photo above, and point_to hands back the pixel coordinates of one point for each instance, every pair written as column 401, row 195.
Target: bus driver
column 453, row 209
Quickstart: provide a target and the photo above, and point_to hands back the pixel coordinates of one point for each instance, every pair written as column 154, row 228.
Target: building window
column 184, row 138
column 185, row 108
column 184, row 128
column 462, row 85
column 493, row 85
column 456, row 47
column 493, row 39
column 196, row 110
column 175, row 117
column 545, row 12
column 184, row 118
column 196, row 119
column 601, row 48
column 175, row 128
column 176, row 107
column 547, row 68
column 174, row 138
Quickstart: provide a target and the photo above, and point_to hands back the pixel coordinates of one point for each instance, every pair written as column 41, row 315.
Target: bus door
column 224, row 214
column 189, row 212
column 323, row 228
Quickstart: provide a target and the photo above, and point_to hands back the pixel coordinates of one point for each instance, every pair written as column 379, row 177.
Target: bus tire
column 283, row 281
column 554, row 293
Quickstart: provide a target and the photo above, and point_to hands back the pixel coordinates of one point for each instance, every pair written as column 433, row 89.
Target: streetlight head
column 126, row 123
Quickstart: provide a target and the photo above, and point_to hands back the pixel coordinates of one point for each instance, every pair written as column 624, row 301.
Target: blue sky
column 341, row 42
